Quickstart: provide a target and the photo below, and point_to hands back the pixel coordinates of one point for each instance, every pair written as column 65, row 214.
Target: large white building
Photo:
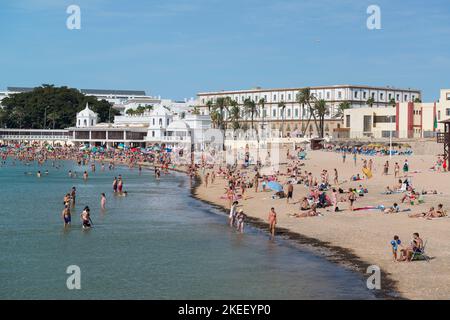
column 295, row 116
column 158, row 126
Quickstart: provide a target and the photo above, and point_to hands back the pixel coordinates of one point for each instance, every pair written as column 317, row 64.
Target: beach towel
column 367, row 173
column 381, row 207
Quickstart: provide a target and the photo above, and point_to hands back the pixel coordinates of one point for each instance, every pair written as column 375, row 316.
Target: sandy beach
column 365, row 235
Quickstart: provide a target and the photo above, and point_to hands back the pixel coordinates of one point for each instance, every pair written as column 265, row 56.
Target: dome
column 161, row 111
column 178, row 125
column 87, row 113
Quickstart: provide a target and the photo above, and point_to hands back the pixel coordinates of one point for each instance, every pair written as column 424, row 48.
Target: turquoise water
column 157, row 243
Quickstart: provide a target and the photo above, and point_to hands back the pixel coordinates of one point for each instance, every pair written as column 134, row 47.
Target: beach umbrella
column 275, row 186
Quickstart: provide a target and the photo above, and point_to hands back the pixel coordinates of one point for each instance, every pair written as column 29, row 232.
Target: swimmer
column 103, row 201
column 38, row 174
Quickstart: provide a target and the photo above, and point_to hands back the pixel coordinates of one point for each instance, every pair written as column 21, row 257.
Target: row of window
column 160, row 122
column 382, row 96
column 327, row 97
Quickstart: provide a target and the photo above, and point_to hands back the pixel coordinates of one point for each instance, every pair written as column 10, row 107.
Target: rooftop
column 259, row 89
column 90, row 91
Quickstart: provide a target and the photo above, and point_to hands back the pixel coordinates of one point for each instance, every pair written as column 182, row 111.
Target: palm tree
column 370, row 102
column 149, row 108
column 341, row 108
column 250, row 109
column 130, row 112
column 140, row 110
column 282, row 106
column 196, row 111
column 392, row 102
column 221, row 104
column 235, row 115
column 209, row 105
column 417, row 100
column 304, row 97
column 321, row 109
column 215, row 117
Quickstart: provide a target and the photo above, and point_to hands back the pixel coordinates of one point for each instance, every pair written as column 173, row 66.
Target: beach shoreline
column 361, row 238
column 343, row 257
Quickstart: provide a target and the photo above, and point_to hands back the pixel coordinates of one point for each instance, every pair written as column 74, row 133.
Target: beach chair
column 418, row 256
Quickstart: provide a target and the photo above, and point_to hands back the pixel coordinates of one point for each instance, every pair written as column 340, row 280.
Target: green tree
column 31, row 109
column 341, row 109
column 251, row 109
column 209, row 105
column 321, row 109
column 304, row 97
column 370, row 102
column 196, row 111
column 282, row 107
column 235, row 115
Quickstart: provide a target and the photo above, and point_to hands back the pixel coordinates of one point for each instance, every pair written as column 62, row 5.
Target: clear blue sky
column 176, row 48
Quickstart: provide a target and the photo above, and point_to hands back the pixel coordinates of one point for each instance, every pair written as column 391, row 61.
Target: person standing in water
column 120, row 184
column 86, row 218
column 73, row 195
column 66, row 216
column 233, row 211
column 272, row 222
column 114, row 185
column 85, row 175
column 103, row 201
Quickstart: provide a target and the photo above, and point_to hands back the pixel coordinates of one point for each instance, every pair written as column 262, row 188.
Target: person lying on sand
column 310, row 213
column 440, row 211
column 430, row 213
column 394, row 209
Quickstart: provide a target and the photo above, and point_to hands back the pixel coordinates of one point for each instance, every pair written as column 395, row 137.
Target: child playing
column 395, row 244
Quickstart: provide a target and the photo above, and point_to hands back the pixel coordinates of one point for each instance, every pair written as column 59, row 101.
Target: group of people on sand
column 416, row 247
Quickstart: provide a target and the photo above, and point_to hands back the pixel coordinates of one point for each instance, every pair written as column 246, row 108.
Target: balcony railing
column 443, row 137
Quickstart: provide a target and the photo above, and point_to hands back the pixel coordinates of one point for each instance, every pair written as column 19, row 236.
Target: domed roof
column 86, row 112
column 161, row 111
column 178, row 125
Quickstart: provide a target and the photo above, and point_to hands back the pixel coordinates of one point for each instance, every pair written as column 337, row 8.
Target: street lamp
column 390, row 138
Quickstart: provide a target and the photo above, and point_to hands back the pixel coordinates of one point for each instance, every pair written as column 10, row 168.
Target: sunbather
column 428, row 214
column 416, row 246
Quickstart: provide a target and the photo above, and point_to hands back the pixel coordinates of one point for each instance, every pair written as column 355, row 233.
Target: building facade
column 405, row 120
column 295, row 116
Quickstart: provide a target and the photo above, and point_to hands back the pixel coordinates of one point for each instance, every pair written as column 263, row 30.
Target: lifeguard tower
column 444, row 137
